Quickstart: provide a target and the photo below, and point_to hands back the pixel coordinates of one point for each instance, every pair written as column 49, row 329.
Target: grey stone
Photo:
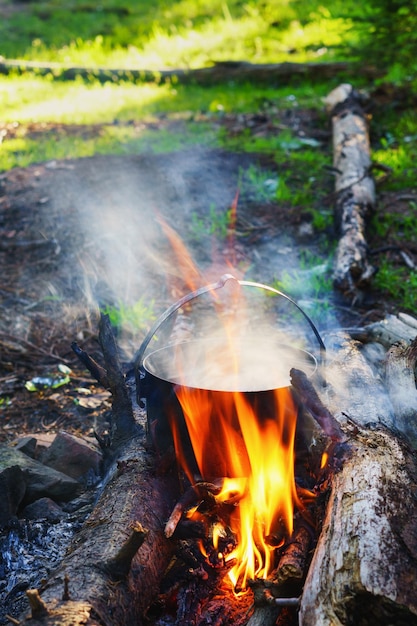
column 44, row 508
column 12, row 490
column 27, row 445
column 72, row 456
column 39, row 479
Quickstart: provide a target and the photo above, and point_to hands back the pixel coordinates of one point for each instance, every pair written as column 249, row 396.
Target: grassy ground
column 189, row 33
column 42, row 118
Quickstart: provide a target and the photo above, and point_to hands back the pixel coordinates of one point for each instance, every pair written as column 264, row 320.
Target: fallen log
column 355, row 190
column 219, row 72
column 364, row 566
column 113, row 568
column 390, row 330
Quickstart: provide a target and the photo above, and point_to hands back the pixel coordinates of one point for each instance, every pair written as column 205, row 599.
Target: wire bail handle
column 138, row 360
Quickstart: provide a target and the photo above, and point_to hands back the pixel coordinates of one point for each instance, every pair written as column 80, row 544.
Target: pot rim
column 305, row 358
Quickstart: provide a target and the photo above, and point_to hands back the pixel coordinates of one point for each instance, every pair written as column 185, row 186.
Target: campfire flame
column 247, row 441
column 255, row 454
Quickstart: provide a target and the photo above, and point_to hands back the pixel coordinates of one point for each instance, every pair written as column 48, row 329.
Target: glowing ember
column 255, row 454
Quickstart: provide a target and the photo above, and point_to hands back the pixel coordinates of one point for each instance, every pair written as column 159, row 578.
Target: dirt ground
column 80, row 235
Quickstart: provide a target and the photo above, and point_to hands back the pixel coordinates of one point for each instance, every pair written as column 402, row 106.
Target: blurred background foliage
column 190, row 33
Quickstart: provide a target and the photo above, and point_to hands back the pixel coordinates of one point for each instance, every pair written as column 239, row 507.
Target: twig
column 293, row 559
column 190, row 498
column 96, row 371
column 124, row 426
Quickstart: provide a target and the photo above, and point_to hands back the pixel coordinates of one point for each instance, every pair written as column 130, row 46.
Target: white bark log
column 364, row 570
column 355, row 189
column 364, row 567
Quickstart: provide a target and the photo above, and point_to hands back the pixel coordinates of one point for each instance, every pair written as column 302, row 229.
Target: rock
column 12, row 490
column 72, row 456
column 39, row 479
column 44, row 508
column 27, row 445
column 42, row 441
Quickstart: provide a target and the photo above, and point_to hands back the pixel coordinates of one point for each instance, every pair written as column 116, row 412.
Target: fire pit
column 125, row 569
column 224, row 406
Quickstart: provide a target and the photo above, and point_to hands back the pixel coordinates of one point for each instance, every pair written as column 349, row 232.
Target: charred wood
column 309, row 398
column 96, row 370
column 190, row 498
column 124, row 425
column 293, row 560
column 112, row 571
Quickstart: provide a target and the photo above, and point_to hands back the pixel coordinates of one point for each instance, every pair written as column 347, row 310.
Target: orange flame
column 246, row 439
column 255, row 454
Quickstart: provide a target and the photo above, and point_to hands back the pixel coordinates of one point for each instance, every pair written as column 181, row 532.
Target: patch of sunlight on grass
column 188, row 33
column 315, row 36
column 220, row 39
column 401, row 159
column 29, row 99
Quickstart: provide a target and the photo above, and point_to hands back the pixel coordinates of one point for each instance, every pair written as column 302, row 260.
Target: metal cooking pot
column 161, row 372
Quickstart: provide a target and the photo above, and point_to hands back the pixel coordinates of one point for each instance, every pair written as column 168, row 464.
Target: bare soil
column 80, row 235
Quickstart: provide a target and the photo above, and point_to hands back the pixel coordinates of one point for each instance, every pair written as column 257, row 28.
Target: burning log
column 293, row 559
column 363, row 569
column 355, row 190
column 112, row 571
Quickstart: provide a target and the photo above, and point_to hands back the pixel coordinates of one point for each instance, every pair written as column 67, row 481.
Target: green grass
column 120, row 117
column 154, row 34
column 30, row 100
column 310, row 283
column 400, row 283
column 118, row 140
column 133, row 318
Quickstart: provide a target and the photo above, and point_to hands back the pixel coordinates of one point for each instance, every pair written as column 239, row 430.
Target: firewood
column 219, row 72
column 354, row 394
column 113, row 568
column 293, row 559
column 393, row 328
column 264, row 616
column 308, row 397
column 96, row 370
column 364, row 565
column 190, row 498
column 355, row 190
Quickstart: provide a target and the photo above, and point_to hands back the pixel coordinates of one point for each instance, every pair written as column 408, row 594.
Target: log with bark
column 269, row 74
column 355, row 190
column 113, row 568
column 364, row 569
